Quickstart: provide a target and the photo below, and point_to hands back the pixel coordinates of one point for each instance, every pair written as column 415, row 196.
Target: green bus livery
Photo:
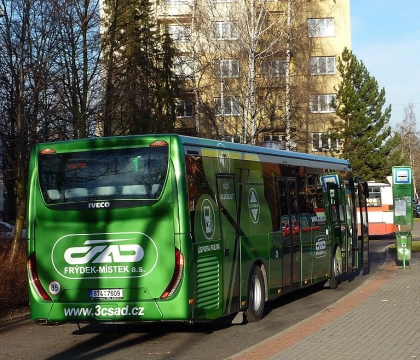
column 173, row 228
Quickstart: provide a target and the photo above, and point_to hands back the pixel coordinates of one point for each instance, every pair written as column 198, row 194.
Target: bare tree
column 246, row 63
column 227, row 43
column 14, row 68
column 411, row 142
column 255, row 40
column 77, row 83
column 38, row 67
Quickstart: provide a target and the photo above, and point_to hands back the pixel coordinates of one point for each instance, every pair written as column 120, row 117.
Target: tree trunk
column 21, row 140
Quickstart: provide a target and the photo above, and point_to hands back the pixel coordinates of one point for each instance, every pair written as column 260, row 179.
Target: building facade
column 258, row 71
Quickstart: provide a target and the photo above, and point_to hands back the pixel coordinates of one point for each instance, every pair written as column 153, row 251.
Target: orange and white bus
column 380, row 209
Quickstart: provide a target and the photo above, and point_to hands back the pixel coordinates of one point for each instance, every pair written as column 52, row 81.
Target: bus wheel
column 256, row 296
column 335, row 268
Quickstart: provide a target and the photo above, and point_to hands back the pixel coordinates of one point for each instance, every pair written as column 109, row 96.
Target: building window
column 179, row 33
column 322, row 142
column 273, row 68
column 229, row 105
column 182, row 66
column 322, row 103
column 227, row 68
column 184, row 108
column 322, row 65
column 321, row 27
column 224, row 30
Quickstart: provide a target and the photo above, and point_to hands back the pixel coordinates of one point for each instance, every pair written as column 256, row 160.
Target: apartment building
column 258, row 71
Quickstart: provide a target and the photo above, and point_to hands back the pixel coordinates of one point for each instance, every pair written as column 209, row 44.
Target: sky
column 386, row 37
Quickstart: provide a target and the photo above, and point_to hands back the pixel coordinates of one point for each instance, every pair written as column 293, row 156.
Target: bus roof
column 193, row 141
column 340, row 164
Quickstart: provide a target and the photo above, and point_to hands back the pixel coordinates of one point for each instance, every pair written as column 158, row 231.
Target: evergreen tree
column 167, row 87
column 369, row 143
column 140, row 87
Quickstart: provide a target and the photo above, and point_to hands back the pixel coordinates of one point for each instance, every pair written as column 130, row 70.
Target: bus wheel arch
column 336, row 270
column 256, row 294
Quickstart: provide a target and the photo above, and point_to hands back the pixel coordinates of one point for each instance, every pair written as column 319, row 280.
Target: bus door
column 363, row 235
column 226, row 193
column 335, row 214
column 350, row 226
column 289, row 212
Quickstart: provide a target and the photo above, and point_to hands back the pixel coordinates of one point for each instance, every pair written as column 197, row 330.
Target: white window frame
column 231, row 106
column 224, row 30
column 322, row 103
column 322, row 65
column 182, row 66
column 321, row 142
column 179, row 33
column 187, row 108
column 321, row 27
column 273, row 68
column 227, row 68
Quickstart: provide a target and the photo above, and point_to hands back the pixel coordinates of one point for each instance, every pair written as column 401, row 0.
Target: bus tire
column 335, row 269
column 256, row 295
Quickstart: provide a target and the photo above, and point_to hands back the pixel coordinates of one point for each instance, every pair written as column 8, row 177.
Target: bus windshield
column 133, row 173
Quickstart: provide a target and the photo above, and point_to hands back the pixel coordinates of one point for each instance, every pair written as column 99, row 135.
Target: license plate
column 106, row 294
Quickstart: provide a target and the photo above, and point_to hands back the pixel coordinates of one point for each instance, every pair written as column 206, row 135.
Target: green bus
column 174, row 228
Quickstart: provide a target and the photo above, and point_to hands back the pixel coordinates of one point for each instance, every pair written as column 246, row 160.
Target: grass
column 13, row 281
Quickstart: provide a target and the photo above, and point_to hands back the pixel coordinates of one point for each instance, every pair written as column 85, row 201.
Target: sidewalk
column 378, row 320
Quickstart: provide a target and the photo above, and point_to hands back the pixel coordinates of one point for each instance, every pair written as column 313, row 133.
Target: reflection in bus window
column 103, row 174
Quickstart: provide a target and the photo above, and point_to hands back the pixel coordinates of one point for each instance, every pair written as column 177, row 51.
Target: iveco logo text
column 103, row 254
column 97, row 205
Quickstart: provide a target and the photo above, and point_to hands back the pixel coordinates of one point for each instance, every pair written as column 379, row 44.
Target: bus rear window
column 137, row 173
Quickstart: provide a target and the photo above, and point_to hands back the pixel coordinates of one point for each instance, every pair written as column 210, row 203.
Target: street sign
column 402, row 192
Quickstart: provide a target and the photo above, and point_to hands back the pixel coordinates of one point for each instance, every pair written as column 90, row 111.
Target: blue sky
column 386, row 37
